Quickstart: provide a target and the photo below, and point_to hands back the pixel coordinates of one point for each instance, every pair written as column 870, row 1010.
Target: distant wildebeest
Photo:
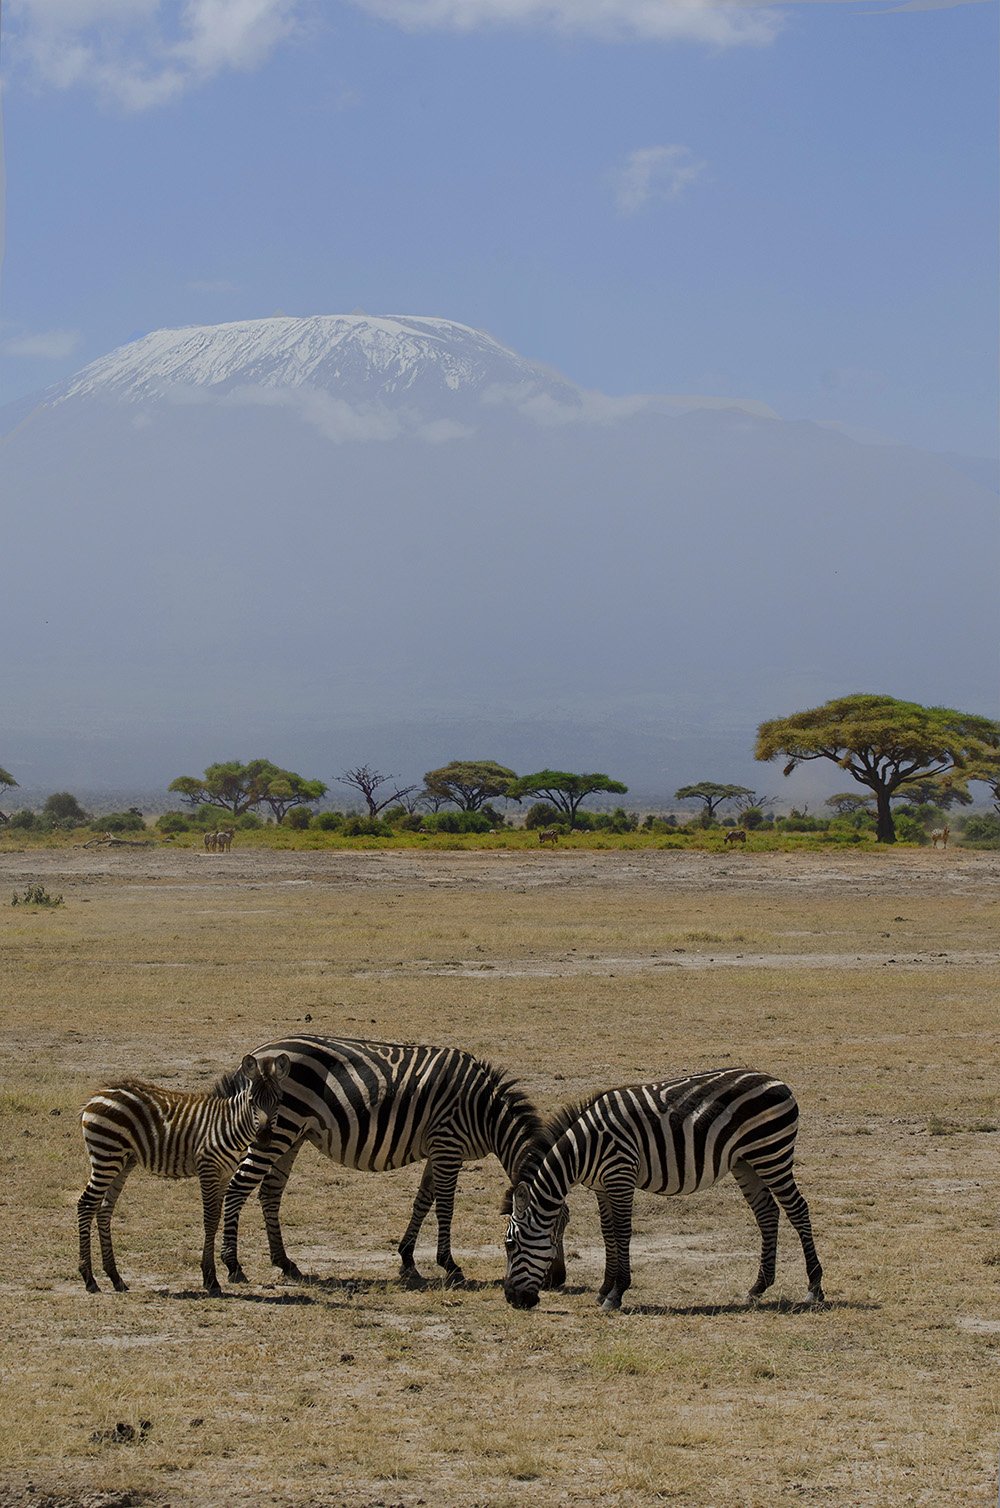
column 940, row 836
column 549, row 835
column 736, row 835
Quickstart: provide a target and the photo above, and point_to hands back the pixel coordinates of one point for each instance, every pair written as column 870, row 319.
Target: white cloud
column 723, row 22
column 141, row 53
column 47, row 345
column 654, row 173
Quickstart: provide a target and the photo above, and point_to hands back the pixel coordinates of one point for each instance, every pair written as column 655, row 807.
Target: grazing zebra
column 940, row 835
column 173, row 1135
column 549, row 835
column 376, row 1106
column 735, row 835
column 674, row 1137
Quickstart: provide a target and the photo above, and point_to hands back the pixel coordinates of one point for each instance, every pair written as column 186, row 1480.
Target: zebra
column 673, row 1137
column 174, row 1135
column 376, row 1106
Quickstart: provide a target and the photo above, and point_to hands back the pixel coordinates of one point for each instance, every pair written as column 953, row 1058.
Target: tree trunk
column 885, row 831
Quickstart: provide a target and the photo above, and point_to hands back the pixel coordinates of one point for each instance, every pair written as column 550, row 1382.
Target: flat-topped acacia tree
column 237, row 788
column 563, row 790
column 469, row 783
column 712, row 794
column 883, row 742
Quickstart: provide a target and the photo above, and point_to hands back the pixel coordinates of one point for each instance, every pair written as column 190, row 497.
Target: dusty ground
column 868, row 980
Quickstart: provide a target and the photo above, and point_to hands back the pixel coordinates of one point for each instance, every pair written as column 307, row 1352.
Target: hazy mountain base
column 213, row 578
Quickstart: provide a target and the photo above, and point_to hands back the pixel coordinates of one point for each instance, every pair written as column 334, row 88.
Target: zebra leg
column 421, row 1204
column 556, row 1275
column 620, row 1197
column 445, row 1181
column 786, row 1192
column 610, row 1246
column 271, row 1191
column 104, row 1212
column 87, row 1206
column 211, row 1204
column 765, row 1212
column 251, row 1172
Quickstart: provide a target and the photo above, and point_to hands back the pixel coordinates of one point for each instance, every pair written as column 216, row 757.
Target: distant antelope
column 736, row 835
column 940, row 836
column 549, row 835
column 173, row 1135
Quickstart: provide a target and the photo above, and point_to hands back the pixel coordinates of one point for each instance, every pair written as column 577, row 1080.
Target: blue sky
column 795, row 204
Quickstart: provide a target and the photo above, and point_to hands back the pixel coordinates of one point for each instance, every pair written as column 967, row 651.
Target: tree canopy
column 469, row 783
column 237, row 788
column 563, row 790
column 713, row 795
column 883, row 743
column 7, row 783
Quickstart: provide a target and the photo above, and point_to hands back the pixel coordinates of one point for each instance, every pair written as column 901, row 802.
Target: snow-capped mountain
column 376, row 359
column 345, row 539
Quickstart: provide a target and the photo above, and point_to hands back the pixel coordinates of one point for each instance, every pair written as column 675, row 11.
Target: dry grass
column 360, row 1393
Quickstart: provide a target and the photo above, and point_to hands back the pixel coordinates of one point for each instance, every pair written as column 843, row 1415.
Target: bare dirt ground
column 869, row 981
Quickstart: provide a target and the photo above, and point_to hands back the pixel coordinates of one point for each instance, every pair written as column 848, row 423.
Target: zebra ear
column 250, row 1067
column 280, row 1065
column 520, row 1201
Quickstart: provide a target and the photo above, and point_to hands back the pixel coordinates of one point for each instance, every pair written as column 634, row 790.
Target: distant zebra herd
column 377, row 1106
column 219, row 842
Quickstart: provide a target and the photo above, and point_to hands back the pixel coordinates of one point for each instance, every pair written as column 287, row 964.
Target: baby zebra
column 174, row 1135
column 674, row 1137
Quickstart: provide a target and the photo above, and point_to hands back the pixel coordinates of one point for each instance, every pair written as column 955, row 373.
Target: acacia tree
column 849, row 804
column 7, row 783
column 237, row 788
column 883, row 742
column 469, row 783
column 366, row 780
column 563, row 790
column 713, row 795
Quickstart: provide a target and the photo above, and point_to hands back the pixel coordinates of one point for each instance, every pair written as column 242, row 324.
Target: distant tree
column 883, row 742
column 563, row 790
column 239, row 788
column 986, row 770
column 367, row 780
column 713, row 795
column 64, row 807
column 849, row 804
column 469, row 783
column 945, row 792
column 7, row 783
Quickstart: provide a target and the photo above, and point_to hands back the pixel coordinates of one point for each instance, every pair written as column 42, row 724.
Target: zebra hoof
column 455, row 1278
column 214, row 1291
column 815, row 1297
column 91, row 1285
column 237, row 1275
column 119, row 1285
column 291, row 1270
column 411, row 1278
column 611, row 1304
column 753, row 1300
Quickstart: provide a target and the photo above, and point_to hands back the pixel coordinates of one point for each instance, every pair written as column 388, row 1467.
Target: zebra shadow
column 384, row 1287
column 774, row 1306
column 231, row 1295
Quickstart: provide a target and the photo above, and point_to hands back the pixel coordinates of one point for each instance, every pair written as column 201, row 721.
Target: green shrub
column 173, row 822
column 248, row 823
column 798, row 822
column 411, row 822
column 976, row 830
column 329, row 822
column 366, row 827
column 23, row 819
column 909, row 829
column 118, row 822
column 456, row 822
column 64, row 807
column 300, row 817
column 542, row 814
column 36, row 895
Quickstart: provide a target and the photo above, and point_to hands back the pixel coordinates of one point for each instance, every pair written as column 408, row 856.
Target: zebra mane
column 544, row 1139
column 228, row 1085
column 506, row 1087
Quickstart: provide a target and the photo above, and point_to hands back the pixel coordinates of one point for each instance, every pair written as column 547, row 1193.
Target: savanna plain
column 867, row 980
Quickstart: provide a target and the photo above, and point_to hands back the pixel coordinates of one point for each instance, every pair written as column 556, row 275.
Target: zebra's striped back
column 380, row 1105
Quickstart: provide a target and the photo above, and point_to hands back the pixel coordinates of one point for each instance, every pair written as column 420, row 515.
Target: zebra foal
column 376, row 1106
column 174, row 1135
column 674, row 1137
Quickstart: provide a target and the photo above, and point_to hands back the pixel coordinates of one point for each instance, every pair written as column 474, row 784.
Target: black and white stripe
column 174, row 1135
column 674, row 1137
column 376, row 1106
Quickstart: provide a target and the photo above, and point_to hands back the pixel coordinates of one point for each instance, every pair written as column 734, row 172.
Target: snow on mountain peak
column 350, row 354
